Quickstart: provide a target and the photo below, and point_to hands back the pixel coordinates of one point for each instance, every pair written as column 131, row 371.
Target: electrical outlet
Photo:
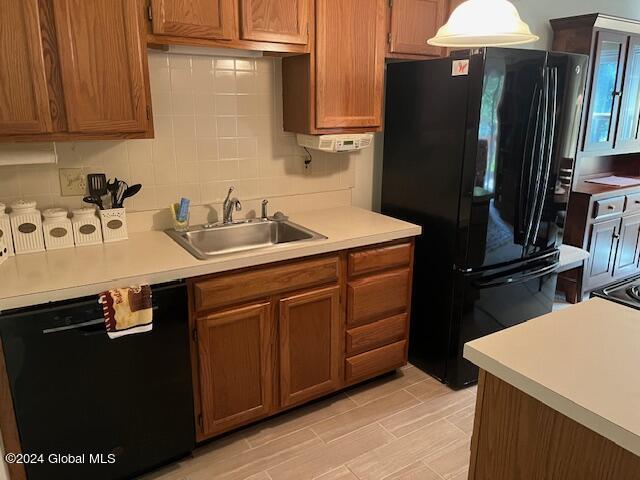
column 72, row 182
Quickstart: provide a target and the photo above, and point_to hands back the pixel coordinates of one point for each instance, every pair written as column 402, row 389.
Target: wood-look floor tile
column 210, row 453
column 318, row 461
column 256, row 460
column 464, row 419
column 297, row 419
column 342, row 473
column 393, row 457
column 451, row 460
column 428, row 388
column 385, row 385
column 415, row 471
column 430, row 411
column 352, row 420
column 462, row 475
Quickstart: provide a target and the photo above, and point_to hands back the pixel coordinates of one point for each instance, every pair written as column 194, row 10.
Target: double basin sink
column 208, row 241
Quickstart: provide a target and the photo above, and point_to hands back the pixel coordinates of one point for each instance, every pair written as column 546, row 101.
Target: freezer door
column 499, row 156
column 486, row 304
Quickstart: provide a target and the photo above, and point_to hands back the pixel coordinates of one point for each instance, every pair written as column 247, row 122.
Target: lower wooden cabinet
column 271, row 337
column 235, row 366
column 310, row 340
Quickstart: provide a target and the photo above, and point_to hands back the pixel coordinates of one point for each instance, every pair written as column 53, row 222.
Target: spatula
column 97, row 186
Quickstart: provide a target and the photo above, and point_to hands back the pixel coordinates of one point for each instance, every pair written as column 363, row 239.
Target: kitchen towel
column 127, row 310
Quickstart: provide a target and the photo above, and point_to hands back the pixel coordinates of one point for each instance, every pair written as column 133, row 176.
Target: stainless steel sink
column 208, row 241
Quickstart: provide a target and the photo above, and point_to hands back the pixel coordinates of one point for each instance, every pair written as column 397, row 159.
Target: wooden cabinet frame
column 279, row 289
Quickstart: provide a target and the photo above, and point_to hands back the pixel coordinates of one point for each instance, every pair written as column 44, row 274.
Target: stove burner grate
column 634, row 292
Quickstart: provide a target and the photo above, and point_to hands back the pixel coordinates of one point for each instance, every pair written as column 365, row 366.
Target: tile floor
column 403, row 426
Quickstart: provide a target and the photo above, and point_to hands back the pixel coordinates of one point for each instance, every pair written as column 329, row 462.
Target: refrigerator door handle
column 520, row 278
column 553, row 75
column 523, row 213
column 541, row 160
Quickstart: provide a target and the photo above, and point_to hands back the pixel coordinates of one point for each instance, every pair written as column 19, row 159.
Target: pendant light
column 483, row 23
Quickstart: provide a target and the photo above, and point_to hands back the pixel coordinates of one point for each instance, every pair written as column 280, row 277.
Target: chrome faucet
column 229, row 205
column 265, row 202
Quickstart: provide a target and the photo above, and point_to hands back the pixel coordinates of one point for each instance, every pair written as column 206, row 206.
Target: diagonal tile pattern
column 403, row 426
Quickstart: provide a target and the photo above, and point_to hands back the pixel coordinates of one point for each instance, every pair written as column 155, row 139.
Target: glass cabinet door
column 606, row 85
column 628, row 137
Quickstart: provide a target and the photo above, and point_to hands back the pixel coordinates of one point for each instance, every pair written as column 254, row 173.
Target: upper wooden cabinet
column 349, row 63
column 412, row 23
column 269, row 25
column 611, row 118
column 213, row 19
column 102, row 65
column 338, row 86
column 24, row 102
column 73, row 70
column 284, row 21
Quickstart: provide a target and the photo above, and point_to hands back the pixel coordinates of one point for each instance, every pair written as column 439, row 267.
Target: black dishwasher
column 96, row 408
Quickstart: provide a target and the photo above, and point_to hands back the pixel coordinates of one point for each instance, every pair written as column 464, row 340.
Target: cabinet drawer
column 632, row 203
column 377, row 334
column 376, row 259
column 233, row 288
column 374, row 298
column 607, row 207
column 375, row 362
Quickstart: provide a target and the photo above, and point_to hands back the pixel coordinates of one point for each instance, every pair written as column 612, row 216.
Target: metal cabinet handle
column 611, row 207
column 616, row 235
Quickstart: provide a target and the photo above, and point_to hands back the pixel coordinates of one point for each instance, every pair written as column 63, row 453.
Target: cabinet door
column 628, row 136
column 628, row 251
column 284, row 21
column 235, row 364
column 310, row 345
column 606, row 86
column 24, row 102
column 194, row 18
column 350, row 63
column 602, row 250
column 413, row 22
column 103, row 60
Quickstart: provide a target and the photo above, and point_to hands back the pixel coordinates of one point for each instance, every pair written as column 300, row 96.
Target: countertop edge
column 259, row 257
column 619, row 435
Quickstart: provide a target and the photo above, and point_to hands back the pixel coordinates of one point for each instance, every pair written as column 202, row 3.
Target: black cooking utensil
column 129, row 192
column 112, row 187
column 93, row 201
column 97, row 186
column 122, row 187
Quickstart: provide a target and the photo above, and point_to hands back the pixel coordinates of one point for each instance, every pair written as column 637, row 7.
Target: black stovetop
column 626, row 292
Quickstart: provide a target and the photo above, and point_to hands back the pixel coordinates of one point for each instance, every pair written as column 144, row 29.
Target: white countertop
column 583, row 361
column 152, row 257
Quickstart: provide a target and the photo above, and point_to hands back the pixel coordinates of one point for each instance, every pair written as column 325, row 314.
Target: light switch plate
column 72, row 182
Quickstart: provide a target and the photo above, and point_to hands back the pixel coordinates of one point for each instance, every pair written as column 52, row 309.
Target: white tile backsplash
column 218, row 122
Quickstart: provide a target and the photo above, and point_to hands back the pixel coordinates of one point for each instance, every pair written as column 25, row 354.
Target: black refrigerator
column 475, row 148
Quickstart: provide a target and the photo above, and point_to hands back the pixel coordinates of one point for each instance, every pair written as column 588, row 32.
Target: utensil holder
column 114, row 224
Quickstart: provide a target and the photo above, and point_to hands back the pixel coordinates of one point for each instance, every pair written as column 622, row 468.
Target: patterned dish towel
column 127, row 310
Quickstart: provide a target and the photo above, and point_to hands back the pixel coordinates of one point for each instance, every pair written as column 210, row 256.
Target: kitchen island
column 559, row 397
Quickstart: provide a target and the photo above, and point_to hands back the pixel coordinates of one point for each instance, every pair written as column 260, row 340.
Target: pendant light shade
column 483, row 23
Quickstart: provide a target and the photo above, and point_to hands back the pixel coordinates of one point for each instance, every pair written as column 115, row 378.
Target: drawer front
column 375, row 362
column 377, row 259
column 375, row 298
column 608, row 207
column 233, row 288
column 377, row 334
column 632, row 203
